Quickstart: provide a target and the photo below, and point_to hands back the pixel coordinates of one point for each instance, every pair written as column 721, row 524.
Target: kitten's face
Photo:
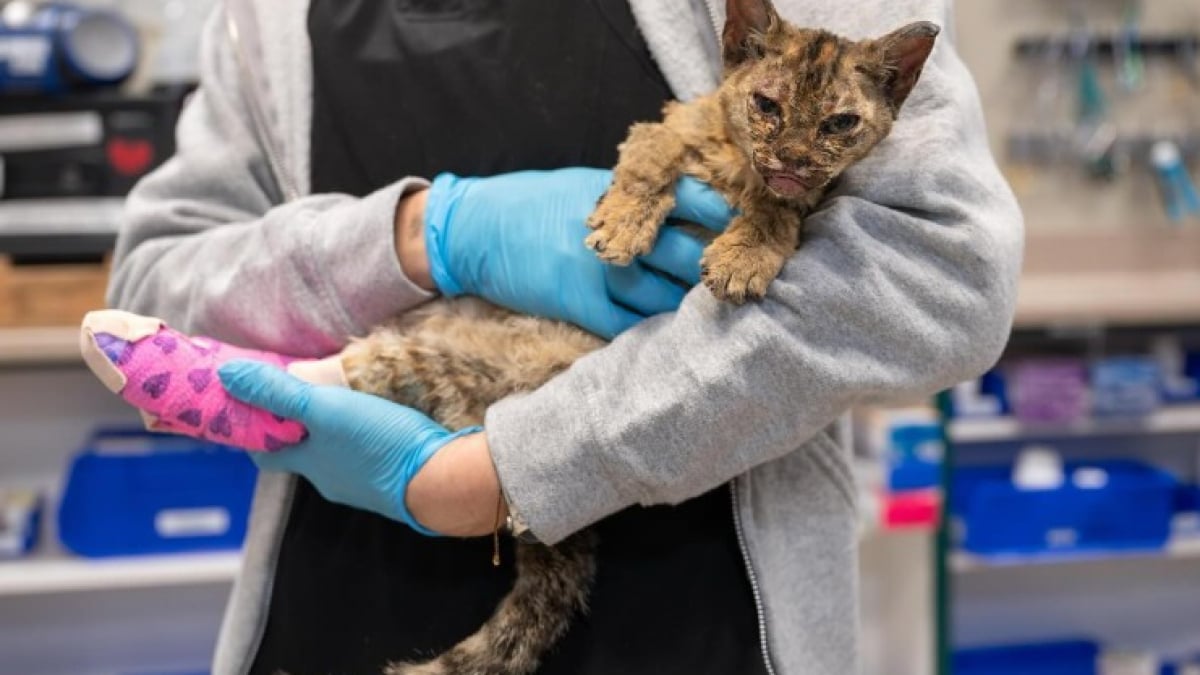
column 803, row 105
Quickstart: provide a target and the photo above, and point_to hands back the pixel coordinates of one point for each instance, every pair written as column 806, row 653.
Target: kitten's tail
column 552, row 586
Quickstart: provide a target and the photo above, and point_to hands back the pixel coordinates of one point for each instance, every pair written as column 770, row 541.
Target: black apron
column 414, row 87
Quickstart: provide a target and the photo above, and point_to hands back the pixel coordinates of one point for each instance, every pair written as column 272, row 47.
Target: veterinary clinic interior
column 955, row 431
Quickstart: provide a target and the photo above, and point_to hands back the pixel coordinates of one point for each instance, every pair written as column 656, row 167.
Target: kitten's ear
column 904, row 52
column 747, row 22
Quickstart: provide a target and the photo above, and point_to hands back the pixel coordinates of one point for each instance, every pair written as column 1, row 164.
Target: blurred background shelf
column 61, row 215
column 1109, row 298
column 64, row 227
column 1180, row 548
column 41, row 575
column 53, row 345
column 69, row 157
column 52, row 569
column 58, row 246
column 1147, row 276
column 1172, row 419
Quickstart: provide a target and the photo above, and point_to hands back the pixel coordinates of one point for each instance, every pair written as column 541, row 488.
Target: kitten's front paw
column 626, row 226
column 739, row 273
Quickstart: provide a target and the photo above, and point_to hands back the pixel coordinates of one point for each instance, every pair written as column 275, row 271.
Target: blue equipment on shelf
column 1104, row 505
column 1074, row 657
column 61, row 46
column 1126, row 385
column 133, row 492
column 20, row 520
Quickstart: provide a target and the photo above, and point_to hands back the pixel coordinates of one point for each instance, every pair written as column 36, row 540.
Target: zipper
column 260, row 628
column 753, row 577
column 715, row 18
column 257, row 114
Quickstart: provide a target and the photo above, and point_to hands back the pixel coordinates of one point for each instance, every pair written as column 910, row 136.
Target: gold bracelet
column 517, row 528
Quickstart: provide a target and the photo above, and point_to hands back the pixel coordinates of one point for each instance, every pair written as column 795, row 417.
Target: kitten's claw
column 738, row 274
column 608, row 250
column 737, row 290
column 625, row 226
column 617, row 247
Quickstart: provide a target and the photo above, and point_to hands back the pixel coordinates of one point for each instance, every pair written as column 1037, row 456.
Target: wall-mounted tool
column 1179, row 192
column 1166, row 45
column 1129, row 63
column 1095, row 134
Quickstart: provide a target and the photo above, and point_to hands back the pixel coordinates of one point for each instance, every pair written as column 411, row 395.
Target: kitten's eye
column 765, row 105
column 839, row 124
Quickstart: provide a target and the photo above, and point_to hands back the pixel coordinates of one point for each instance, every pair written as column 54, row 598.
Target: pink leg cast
column 172, row 379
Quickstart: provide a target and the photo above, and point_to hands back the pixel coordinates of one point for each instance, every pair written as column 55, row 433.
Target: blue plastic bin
column 1187, row 499
column 132, row 493
column 1133, row 509
column 1069, row 657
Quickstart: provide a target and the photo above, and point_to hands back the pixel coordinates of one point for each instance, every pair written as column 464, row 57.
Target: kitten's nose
column 796, row 160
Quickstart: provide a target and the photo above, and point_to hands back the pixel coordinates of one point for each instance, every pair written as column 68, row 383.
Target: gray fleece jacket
column 905, row 284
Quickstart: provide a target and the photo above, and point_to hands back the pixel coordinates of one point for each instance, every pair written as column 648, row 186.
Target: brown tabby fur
column 454, row 358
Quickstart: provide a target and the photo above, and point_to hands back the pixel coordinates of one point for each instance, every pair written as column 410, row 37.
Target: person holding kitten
column 699, row 443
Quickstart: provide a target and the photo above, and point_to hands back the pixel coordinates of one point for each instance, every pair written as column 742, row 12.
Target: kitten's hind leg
column 627, row 218
column 451, row 359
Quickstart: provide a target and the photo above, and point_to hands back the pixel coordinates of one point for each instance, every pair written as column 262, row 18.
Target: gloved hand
column 517, row 240
column 361, row 450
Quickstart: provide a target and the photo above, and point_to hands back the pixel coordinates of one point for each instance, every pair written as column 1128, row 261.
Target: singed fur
column 454, row 358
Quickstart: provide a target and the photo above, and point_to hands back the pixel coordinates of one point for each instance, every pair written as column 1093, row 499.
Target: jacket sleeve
column 206, row 245
column 904, row 284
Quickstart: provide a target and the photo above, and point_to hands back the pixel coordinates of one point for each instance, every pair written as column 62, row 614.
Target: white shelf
column 39, row 345
column 36, row 575
column 1136, row 276
column 68, row 215
column 1141, row 298
column 1180, row 548
column 1172, row 419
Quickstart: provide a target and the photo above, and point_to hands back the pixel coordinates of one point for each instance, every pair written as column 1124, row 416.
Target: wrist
column 444, row 199
column 457, row 492
column 409, row 239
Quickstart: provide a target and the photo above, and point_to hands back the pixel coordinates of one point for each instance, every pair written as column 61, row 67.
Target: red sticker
column 130, row 157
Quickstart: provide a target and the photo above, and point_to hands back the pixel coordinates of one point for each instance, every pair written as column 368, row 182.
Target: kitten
column 795, row 109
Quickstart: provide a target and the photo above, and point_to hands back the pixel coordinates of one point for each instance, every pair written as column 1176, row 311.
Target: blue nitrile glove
column 517, row 240
column 361, row 450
